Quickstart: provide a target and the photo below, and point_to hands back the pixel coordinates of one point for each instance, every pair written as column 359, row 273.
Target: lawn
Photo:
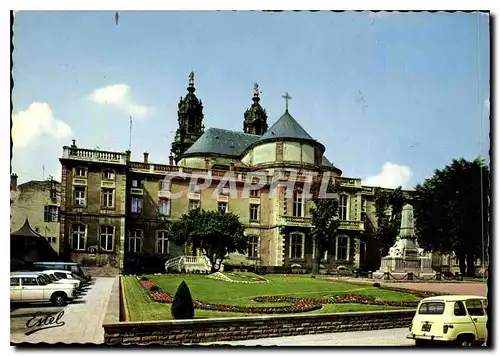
column 140, row 306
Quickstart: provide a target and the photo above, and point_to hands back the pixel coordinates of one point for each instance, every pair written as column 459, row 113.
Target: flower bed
column 161, row 297
column 298, row 305
column 235, row 277
column 147, row 284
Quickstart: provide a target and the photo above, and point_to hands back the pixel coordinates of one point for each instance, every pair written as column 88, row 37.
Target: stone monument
column 406, row 256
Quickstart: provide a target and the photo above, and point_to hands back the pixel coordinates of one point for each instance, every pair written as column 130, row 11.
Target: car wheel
column 464, row 342
column 58, row 300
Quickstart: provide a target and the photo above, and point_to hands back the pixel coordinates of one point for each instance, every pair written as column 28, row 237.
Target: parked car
column 56, row 279
column 38, row 287
column 65, row 274
column 457, row 319
column 68, row 266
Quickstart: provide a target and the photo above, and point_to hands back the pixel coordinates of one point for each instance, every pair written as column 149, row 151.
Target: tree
column 182, row 306
column 388, row 208
column 452, row 209
column 216, row 233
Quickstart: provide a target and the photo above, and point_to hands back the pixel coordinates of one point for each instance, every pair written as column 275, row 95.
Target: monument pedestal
column 406, row 256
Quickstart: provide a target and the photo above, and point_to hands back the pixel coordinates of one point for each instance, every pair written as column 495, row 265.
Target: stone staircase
column 189, row 264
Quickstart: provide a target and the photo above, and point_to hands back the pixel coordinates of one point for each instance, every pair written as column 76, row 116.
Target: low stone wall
column 225, row 329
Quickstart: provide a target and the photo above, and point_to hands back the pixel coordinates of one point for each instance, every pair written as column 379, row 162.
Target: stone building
column 117, row 209
column 39, row 203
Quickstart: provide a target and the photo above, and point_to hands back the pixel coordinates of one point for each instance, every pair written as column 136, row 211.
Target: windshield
column 54, row 276
column 42, row 280
column 435, row 308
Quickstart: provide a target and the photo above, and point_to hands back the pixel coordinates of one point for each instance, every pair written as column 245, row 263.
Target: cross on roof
column 286, row 97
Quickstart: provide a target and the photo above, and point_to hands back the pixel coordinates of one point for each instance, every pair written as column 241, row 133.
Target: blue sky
column 391, row 96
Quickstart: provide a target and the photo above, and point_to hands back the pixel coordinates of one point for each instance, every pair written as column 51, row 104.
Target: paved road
column 82, row 318
column 388, row 337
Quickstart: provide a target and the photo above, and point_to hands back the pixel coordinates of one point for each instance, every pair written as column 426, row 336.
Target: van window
column 459, row 309
column 14, row 282
column 29, row 281
column 474, row 307
column 435, row 308
column 60, row 275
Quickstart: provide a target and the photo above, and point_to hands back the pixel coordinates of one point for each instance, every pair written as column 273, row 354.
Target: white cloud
column 391, row 176
column 487, row 105
column 118, row 95
column 37, row 121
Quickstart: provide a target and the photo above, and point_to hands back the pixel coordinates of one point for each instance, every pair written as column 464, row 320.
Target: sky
column 392, row 96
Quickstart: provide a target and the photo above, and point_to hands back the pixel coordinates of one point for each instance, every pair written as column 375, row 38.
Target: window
column 53, row 194
column 80, row 196
column 474, row 307
column 164, row 207
column 459, row 309
column 51, row 213
column 362, row 250
column 162, row 243
column 296, row 245
column 194, row 204
column 135, row 183
column 81, row 172
column 432, row 308
column 136, row 204
column 342, row 248
column 61, row 275
column 78, row 237
column 222, row 206
column 14, row 282
column 164, row 185
column 254, row 193
column 52, row 239
column 43, row 280
column 298, row 203
column 107, row 237
column 108, row 175
column 29, row 281
column 135, row 241
column 363, row 205
column 253, row 246
column 107, row 198
column 343, row 211
column 254, row 212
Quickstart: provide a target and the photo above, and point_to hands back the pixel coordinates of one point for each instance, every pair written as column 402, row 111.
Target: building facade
column 115, row 211
column 39, row 203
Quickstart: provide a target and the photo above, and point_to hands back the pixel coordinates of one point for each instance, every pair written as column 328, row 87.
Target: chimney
column 146, row 157
column 13, row 181
column 128, row 153
column 171, row 160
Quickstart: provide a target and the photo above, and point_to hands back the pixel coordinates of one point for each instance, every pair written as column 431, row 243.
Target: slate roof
column 221, row 141
column 286, row 127
column 233, row 143
column 26, row 230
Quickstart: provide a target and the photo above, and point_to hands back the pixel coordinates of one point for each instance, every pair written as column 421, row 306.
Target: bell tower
column 255, row 117
column 190, row 118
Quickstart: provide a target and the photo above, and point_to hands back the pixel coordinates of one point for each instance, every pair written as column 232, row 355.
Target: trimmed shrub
column 144, row 278
column 182, row 306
